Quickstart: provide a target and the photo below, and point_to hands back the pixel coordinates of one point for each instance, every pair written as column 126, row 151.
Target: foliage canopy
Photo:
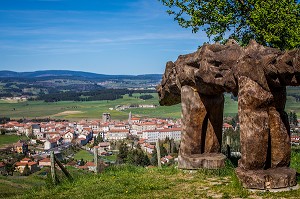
column 272, row 23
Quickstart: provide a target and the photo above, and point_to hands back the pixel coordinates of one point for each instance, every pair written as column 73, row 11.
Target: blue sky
column 101, row 36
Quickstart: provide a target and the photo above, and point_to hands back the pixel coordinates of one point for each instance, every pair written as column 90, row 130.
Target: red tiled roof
column 89, row 164
column 24, row 163
column 25, row 159
column 119, row 131
column 45, row 160
column 170, row 130
column 135, row 118
column 104, row 144
column 226, row 125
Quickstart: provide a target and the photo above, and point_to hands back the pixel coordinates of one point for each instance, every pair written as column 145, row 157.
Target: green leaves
column 274, row 23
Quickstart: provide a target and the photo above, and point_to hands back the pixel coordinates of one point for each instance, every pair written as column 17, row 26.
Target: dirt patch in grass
column 67, row 113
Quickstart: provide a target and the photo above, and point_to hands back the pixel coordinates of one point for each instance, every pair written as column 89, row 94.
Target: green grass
column 10, row 139
column 295, row 158
column 16, row 186
column 230, row 106
column 83, row 154
column 94, row 109
column 110, row 157
column 12, row 186
column 128, row 181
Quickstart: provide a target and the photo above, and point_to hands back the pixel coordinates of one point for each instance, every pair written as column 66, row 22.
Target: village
column 103, row 134
column 45, row 137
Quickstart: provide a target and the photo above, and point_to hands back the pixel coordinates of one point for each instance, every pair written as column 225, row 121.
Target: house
column 103, row 147
column 94, row 125
column 166, row 159
column 85, row 137
column 90, row 166
column 119, row 126
column 144, row 126
column 33, row 166
column 81, row 141
column 21, row 147
column 68, row 137
column 104, row 127
column 134, row 120
column 148, row 148
column 227, row 126
column 35, row 129
column 28, row 130
column 49, row 144
column 52, row 135
column 295, row 139
column 118, row 134
column 45, row 162
column 171, row 133
column 88, row 133
column 40, row 135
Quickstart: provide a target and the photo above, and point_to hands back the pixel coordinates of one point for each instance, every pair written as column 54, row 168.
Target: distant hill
column 71, row 74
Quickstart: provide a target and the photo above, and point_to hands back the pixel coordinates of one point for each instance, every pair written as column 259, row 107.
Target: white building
column 153, row 135
column 117, row 134
column 144, row 126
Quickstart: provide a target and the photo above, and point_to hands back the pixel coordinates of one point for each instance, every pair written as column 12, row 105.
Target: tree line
column 106, row 94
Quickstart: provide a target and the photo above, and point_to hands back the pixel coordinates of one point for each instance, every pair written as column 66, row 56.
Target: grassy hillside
column 16, row 186
column 136, row 182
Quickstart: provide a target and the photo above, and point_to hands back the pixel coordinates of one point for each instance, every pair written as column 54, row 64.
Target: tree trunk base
column 282, row 179
column 199, row 161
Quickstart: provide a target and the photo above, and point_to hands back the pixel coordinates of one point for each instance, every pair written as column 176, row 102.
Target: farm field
column 9, row 139
column 74, row 111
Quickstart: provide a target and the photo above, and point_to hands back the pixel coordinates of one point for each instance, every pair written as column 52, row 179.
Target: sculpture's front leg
column 202, row 118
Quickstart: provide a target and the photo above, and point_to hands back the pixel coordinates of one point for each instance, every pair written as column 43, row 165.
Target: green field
column 94, row 109
column 72, row 110
column 10, row 139
column 83, row 154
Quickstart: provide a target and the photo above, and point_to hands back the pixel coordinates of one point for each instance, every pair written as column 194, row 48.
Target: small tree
column 9, row 168
column 153, row 159
column 294, row 119
column 123, row 152
column 26, row 171
column 137, row 157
